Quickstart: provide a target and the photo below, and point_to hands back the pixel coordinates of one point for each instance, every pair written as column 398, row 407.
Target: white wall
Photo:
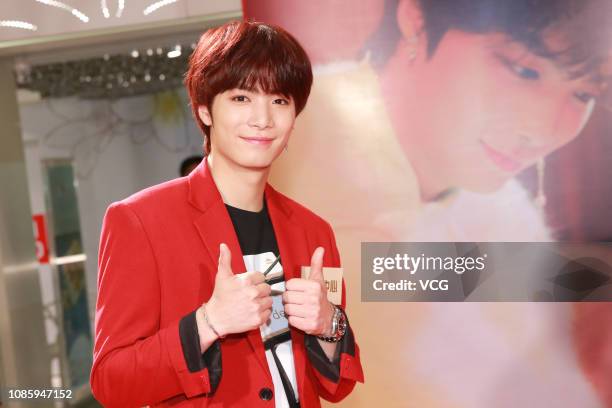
column 109, row 165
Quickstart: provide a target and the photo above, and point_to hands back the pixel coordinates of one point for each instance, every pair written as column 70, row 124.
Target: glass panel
column 63, row 201
column 66, row 231
column 77, row 334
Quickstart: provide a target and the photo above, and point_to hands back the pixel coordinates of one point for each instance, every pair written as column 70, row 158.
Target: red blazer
column 158, row 258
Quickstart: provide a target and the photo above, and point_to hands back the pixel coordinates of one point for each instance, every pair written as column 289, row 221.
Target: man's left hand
column 306, row 304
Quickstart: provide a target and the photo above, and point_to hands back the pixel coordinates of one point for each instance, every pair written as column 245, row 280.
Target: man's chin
column 256, row 165
column 258, row 160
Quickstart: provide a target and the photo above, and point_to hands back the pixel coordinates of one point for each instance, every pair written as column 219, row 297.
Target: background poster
column 473, row 120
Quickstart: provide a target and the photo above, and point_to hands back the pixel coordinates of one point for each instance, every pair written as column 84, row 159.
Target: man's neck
column 240, row 187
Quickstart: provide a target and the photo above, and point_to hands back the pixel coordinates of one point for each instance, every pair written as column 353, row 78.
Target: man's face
column 481, row 109
column 249, row 128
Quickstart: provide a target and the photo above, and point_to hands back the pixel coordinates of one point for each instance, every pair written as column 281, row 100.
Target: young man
column 178, row 319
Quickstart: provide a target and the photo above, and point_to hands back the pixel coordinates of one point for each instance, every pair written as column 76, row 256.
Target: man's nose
column 261, row 115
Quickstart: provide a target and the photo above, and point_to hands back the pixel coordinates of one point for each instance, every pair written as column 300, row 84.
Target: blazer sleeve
column 136, row 362
column 335, row 379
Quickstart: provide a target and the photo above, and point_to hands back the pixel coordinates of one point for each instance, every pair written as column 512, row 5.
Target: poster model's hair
column 583, row 28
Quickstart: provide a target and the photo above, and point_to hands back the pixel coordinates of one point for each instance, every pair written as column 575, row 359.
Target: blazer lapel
column 292, row 242
column 215, row 227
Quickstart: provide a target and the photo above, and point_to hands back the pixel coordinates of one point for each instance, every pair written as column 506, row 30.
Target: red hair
column 250, row 56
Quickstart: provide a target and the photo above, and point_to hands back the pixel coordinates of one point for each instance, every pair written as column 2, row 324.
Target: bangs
column 266, row 79
column 267, row 72
column 264, row 61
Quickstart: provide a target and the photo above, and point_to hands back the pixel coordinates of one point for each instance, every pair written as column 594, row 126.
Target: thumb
column 225, row 261
column 316, row 265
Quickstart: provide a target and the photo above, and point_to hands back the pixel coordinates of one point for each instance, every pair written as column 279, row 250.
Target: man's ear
column 409, row 18
column 204, row 115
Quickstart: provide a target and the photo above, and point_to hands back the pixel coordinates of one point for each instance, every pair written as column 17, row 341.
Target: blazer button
column 266, row 394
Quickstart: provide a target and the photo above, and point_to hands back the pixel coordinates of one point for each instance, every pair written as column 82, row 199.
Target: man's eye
column 524, row 72
column 585, row 97
column 281, row 101
column 239, row 98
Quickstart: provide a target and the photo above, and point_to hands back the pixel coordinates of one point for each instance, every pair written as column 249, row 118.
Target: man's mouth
column 257, row 140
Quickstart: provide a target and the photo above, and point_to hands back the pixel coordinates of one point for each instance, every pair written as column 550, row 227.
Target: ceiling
column 77, row 23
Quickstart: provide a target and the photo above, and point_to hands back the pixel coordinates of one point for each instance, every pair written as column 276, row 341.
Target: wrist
column 330, row 328
column 211, row 320
column 209, row 332
column 205, row 334
column 339, row 326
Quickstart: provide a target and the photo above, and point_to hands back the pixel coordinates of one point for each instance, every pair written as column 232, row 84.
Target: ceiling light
column 105, row 10
column 175, row 53
column 18, row 24
column 156, row 5
column 78, row 14
column 120, row 8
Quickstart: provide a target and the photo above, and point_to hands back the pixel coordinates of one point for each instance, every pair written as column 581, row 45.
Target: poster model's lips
column 503, row 161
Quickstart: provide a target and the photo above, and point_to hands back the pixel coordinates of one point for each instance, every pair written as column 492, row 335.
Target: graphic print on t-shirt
column 276, row 329
column 277, row 324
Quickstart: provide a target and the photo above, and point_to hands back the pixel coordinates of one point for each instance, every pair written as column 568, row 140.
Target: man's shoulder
column 305, row 216
column 169, row 193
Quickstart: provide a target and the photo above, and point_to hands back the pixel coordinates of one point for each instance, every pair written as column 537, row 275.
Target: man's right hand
column 240, row 302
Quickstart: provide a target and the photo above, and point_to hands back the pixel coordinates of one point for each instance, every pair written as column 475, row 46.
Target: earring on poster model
column 286, row 148
column 411, row 44
column 540, row 199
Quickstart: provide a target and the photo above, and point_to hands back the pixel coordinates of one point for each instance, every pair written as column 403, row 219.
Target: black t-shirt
column 254, row 231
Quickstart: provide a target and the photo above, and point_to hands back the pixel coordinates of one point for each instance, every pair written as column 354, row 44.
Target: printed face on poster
column 476, row 121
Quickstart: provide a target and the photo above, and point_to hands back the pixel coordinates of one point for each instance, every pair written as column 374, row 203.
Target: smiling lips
column 258, row 140
column 504, row 162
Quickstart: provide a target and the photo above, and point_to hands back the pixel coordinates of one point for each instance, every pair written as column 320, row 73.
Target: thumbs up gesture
column 305, row 300
column 240, row 302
